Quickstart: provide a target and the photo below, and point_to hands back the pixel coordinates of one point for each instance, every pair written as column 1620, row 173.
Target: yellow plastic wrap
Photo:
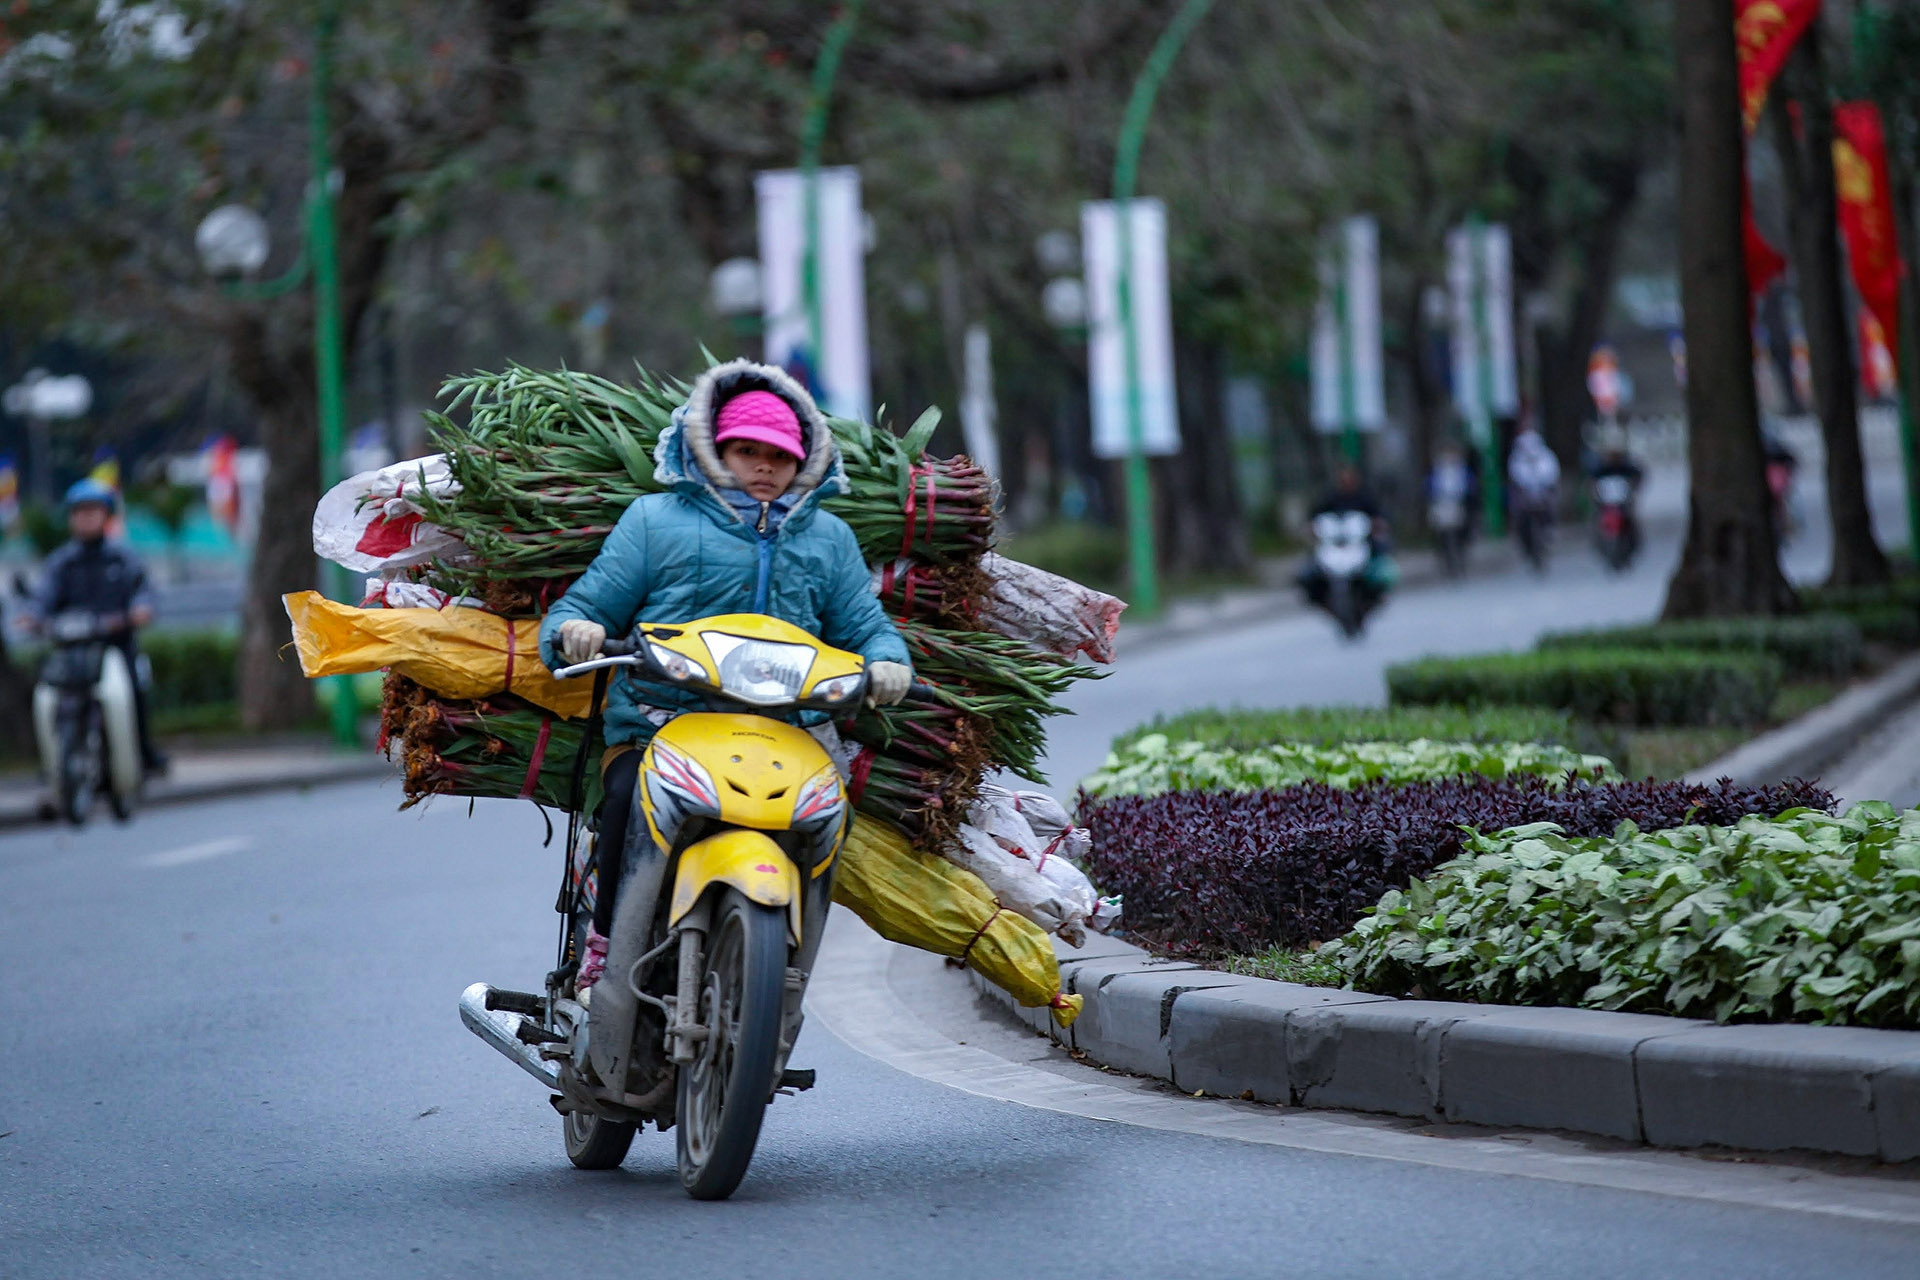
column 927, row 902
column 457, row 653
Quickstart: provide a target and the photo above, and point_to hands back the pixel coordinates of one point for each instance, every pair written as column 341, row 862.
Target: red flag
column 1866, row 210
column 1765, row 32
column 1764, row 263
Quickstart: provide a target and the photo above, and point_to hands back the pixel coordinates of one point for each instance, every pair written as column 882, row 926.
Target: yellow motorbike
column 724, row 893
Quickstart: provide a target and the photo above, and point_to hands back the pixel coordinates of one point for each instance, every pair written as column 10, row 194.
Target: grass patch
column 1251, row 729
column 1304, row 967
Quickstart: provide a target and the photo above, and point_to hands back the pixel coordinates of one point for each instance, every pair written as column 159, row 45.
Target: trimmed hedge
column 1213, row 872
column 1807, row 917
column 1247, row 729
column 1642, row 687
column 192, row 668
column 1826, row 645
column 1153, row 765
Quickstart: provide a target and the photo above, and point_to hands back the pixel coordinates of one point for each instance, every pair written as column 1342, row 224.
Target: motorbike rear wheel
column 595, row 1142
column 724, row 1091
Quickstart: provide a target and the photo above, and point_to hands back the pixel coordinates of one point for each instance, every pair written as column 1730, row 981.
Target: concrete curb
column 1803, row 747
column 320, row 770
column 1671, row 1082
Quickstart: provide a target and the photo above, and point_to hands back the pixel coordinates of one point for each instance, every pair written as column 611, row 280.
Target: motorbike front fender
column 748, row 861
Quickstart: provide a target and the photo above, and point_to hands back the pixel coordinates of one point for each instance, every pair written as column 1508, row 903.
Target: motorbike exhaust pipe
column 501, row 1029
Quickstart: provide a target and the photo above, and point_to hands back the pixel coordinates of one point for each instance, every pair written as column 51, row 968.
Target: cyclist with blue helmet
column 96, row 574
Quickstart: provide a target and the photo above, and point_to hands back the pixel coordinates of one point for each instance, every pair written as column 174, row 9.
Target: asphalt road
column 232, row 1050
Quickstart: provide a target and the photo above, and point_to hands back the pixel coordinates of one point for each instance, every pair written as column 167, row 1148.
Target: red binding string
column 510, row 647
column 913, row 502
column 857, row 773
column 1049, row 850
column 539, row 758
column 906, row 607
column 981, row 932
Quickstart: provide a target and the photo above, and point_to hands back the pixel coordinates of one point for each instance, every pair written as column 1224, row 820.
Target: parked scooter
column 691, row 1025
column 1615, row 531
column 85, row 717
column 1343, row 551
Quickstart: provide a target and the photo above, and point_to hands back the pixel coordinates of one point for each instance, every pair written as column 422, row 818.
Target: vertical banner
column 1152, row 345
column 1764, row 263
column 9, row 495
column 1764, row 32
column 1486, row 382
column 978, row 415
column 833, row 362
column 1347, row 365
column 1866, row 210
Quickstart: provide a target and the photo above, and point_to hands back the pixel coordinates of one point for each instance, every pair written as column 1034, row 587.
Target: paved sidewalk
column 203, row 773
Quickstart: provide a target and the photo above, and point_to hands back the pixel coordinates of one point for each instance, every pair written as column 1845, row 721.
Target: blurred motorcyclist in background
column 1350, row 495
column 100, row 576
column 1616, row 487
column 1782, row 467
column 1451, row 486
column 1533, row 477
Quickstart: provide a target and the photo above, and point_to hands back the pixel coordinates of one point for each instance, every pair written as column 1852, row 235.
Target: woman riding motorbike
column 748, row 461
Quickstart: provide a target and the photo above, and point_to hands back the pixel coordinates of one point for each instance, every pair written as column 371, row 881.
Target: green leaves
column 1154, row 764
column 1807, row 917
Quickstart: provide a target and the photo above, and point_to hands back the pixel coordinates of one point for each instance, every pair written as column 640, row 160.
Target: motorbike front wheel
column 724, row 1091
column 80, row 766
column 595, row 1142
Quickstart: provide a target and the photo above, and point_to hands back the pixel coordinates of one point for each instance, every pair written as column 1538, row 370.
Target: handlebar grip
column 922, row 690
column 619, row 648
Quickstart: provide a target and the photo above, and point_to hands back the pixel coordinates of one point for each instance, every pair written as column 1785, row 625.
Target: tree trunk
column 1806, row 162
column 1731, row 563
column 273, row 692
column 1201, row 524
column 1565, row 405
column 1908, row 354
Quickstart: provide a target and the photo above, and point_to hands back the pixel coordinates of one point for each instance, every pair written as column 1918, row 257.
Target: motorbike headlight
column 840, row 688
column 819, row 801
column 678, row 666
column 763, row 672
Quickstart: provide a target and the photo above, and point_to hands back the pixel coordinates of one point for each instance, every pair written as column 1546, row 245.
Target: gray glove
column 887, row 682
column 580, row 639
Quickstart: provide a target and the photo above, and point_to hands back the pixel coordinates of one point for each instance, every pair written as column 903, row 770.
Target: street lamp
column 41, row 399
column 232, row 240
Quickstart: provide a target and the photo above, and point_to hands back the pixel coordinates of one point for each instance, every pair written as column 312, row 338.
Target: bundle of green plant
column 1009, row 684
column 940, row 595
column 496, row 748
column 1236, row 872
column 1154, row 764
column 1618, row 686
column 1804, row 917
column 546, row 461
column 1821, row 645
column 1250, row 729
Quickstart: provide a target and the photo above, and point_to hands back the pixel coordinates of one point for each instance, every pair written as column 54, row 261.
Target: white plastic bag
column 400, row 593
column 1051, row 822
column 372, row 521
column 1027, row 871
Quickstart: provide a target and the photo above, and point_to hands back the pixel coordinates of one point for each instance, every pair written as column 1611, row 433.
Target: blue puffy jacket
column 689, row 553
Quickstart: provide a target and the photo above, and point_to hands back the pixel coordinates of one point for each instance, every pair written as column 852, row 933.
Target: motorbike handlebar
column 611, row 648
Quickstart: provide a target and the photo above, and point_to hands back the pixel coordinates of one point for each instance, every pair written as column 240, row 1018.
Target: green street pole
column 1494, row 486
column 328, row 348
column 1349, row 393
column 813, row 134
column 1126, row 173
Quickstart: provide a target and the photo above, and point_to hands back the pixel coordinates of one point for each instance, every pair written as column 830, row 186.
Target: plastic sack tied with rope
column 927, row 902
column 373, row 521
column 455, row 652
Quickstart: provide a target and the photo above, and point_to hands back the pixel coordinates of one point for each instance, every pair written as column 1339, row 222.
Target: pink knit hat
column 762, row 416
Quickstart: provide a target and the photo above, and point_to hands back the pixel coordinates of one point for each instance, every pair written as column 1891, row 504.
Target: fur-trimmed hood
column 687, row 457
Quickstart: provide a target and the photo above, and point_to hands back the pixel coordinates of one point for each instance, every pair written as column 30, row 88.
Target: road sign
column 1152, row 325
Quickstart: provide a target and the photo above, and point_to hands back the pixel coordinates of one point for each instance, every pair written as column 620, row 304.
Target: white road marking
column 201, row 852
column 850, row 993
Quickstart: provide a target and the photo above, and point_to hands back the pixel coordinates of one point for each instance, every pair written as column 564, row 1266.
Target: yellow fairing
column 758, row 764
column 687, row 640
column 749, row 861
